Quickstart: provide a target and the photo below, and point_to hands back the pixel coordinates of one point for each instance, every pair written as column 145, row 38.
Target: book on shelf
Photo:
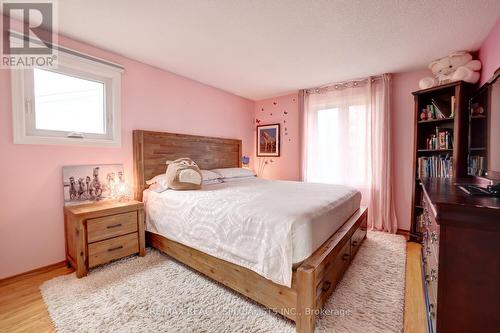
column 443, row 139
column 440, row 166
column 476, row 166
column 440, row 109
column 430, row 111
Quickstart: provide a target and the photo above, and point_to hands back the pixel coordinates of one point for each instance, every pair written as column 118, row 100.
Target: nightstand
column 98, row 233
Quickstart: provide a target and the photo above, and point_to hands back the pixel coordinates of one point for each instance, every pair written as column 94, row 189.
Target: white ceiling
column 258, row 48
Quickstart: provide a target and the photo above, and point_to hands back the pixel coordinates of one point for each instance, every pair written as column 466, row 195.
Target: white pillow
column 234, row 172
column 237, row 179
column 212, row 181
column 209, row 175
column 158, row 188
column 160, row 179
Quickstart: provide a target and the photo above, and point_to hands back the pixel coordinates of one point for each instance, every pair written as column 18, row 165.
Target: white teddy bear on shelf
column 455, row 67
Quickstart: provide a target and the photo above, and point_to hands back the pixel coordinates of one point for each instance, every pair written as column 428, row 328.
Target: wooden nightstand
column 100, row 232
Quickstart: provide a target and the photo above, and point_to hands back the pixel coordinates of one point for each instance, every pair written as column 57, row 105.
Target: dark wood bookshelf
column 478, row 129
column 456, row 124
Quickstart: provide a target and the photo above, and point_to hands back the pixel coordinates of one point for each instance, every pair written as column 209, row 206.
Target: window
column 67, row 103
column 346, row 140
column 76, row 104
column 341, row 132
column 340, row 138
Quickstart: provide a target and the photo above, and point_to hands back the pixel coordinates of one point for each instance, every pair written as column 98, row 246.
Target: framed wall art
column 268, row 140
column 91, row 183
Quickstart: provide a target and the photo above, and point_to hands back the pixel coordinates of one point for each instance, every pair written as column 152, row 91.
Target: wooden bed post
column 306, row 299
column 139, row 186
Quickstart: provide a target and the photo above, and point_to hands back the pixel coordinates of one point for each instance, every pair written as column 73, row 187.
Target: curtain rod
column 342, row 84
column 21, row 36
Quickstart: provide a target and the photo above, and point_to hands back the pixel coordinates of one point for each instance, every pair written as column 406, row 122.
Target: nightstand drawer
column 111, row 226
column 114, row 248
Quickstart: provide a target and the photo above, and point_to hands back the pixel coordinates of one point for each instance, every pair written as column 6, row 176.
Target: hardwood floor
column 22, row 308
column 414, row 315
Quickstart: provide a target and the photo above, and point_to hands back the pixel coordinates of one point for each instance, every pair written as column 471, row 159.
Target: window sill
column 64, row 141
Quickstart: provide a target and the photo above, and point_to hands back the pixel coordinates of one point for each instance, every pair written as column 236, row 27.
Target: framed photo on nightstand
column 91, row 183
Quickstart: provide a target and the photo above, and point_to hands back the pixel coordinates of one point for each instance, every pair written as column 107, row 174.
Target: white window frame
column 22, row 86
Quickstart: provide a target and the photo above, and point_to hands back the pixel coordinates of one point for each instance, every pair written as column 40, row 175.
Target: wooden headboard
column 153, row 149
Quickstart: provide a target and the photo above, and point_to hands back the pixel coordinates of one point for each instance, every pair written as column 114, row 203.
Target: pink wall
column 402, row 127
column 489, row 53
column 282, row 110
column 31, row 214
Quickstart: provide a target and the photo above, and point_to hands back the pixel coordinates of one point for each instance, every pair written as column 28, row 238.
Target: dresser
column 101, row 232
column 460, row 258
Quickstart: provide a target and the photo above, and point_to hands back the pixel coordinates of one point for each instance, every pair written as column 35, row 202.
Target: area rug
column 157, row 294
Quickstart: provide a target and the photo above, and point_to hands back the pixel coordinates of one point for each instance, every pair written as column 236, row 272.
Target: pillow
column 183, row 174
column 234, row 172
column 158, row 188
column 160, row 179
column 212, row 181
column 209, row 175
column 236, row 179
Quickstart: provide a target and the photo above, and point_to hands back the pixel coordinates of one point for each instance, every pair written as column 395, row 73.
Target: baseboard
column 403, row 232
column 35, row 271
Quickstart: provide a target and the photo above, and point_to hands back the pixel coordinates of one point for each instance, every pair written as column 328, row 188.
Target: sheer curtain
column 345, row 136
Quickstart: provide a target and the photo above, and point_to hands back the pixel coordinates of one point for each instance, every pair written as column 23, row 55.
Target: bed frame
column 313, row 281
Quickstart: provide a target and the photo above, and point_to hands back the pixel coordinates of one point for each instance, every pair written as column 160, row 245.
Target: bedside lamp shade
column 122, row 191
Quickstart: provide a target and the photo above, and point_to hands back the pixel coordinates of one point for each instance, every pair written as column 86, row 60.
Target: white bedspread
column 253, row 223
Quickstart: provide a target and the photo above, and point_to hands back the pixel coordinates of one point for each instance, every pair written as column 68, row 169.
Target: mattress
column 267, row 226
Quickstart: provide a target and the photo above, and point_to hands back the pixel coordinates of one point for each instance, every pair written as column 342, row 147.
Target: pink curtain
column 345, row 139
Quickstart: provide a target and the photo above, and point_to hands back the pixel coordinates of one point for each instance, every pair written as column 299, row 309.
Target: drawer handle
column 115, row 248
column 432, row 312
column 114, row 226
column 433, row 275
column 345, row 257
column 434, row 237
column 354, row 243
column 326, row 286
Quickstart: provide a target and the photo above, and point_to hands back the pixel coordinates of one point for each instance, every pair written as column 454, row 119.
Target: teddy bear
column 455, row 67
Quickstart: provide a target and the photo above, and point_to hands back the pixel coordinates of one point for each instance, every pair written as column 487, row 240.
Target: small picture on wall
column 268, row 140
column 90, row 183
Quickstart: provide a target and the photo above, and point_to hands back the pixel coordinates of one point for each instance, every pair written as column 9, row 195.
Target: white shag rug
column 156, row 294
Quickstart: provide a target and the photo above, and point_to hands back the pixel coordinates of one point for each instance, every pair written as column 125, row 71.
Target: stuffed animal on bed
column 183, row 174
column 458, row 66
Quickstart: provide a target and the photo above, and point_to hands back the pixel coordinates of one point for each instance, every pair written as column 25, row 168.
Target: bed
column 303, row 245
